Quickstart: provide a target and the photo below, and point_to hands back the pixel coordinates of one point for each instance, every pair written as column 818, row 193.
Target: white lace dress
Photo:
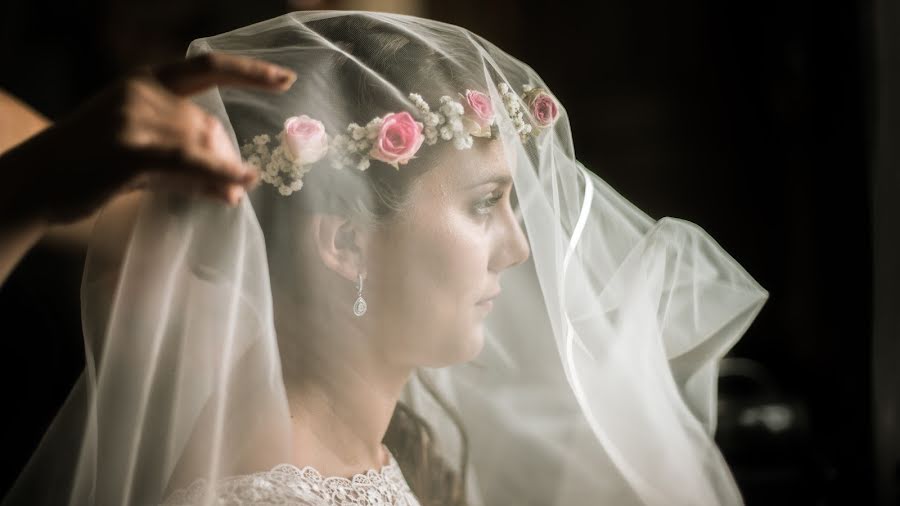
column 287, row 484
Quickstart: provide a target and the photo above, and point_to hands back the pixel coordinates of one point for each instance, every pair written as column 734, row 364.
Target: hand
column 141, row 131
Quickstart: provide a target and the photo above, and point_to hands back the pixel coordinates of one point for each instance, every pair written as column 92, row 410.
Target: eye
column 484, row 206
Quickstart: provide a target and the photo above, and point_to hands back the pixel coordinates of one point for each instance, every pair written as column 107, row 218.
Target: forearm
column 20, row 122
column 19, row 229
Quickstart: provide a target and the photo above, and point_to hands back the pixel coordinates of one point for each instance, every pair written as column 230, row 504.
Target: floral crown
column 396, row 137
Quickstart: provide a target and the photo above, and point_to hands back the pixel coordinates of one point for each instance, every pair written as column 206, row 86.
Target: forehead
column 486, row 162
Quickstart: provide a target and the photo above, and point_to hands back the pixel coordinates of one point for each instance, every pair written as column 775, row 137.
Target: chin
column 470, row 345
column 464, row 347
column 474, row 345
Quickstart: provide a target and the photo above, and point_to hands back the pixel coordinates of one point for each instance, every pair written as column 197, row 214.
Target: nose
column 513, row 248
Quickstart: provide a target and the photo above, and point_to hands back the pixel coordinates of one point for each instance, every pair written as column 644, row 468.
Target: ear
column 341, row 244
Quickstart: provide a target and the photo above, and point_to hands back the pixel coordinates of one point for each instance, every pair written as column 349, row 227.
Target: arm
column 22, row 123
column 141, row 130
column 19, row 233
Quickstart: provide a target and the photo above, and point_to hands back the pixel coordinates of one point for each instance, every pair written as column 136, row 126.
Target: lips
column 489, row 298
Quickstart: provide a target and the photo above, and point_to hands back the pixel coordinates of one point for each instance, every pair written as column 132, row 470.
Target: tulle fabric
column 596, row 384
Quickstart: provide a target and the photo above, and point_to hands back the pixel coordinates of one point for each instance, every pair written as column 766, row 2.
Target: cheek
column 433, row 273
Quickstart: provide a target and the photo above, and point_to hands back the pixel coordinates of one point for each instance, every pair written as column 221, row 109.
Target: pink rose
column 479, row 109
column 398, row 139
column 306, row 139
column 542, row 106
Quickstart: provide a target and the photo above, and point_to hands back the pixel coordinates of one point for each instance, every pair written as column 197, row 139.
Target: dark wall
column 886, row 228
column 56, row 54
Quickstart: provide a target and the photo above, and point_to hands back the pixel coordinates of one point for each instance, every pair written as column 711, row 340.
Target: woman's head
column 430, row 248
column 432, row 266
column 429, row 237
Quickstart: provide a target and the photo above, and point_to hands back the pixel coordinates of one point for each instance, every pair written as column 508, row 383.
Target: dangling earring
column 360, row 306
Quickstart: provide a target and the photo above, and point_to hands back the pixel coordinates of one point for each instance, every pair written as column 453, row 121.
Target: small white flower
column 420, row 103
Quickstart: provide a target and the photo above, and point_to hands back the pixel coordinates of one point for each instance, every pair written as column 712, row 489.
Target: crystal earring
column 360, row 306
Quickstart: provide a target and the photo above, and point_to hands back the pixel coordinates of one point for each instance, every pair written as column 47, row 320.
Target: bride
column 427, row 301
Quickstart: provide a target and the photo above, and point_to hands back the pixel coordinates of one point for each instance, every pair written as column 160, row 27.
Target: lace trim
column 288, row 484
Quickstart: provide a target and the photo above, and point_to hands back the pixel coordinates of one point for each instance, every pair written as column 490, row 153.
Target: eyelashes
column 484, row 206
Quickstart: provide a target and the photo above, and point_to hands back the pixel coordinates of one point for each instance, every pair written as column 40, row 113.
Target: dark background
column 768, row 123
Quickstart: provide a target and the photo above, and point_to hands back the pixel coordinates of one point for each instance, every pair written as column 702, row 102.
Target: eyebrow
column 499, row 179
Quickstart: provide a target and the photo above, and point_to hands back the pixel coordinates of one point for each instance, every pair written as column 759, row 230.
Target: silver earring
column 360, row 306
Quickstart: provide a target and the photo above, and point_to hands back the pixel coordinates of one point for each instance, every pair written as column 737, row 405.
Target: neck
column 341, row 397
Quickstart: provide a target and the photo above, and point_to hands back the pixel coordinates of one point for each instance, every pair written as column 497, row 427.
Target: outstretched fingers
column 219, row 69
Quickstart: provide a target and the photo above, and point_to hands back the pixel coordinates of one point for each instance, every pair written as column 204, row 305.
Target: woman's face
column 432, row 272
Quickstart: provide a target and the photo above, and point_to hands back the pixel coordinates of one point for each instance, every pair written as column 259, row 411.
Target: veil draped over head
column 591, row 381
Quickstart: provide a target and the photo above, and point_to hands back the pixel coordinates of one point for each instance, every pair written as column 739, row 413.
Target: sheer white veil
column 596, row 383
